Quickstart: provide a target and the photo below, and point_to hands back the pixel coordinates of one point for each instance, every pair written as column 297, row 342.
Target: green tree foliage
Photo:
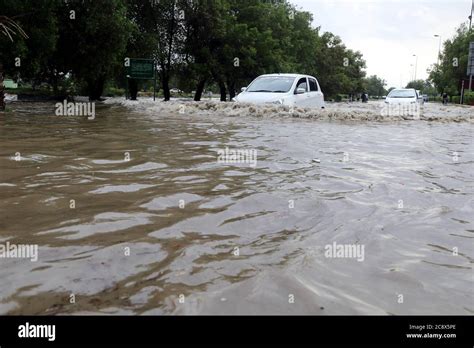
column 93, row 39
column 375, row 86
column 9, row 28
column 197, row 43
column 453, row 62
column 29, row 56
column 417, row 84
column 424, row 86
column 243, row 39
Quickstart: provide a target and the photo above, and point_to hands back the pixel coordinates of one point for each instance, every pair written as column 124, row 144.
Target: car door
column 316, row 97
column 301, row 100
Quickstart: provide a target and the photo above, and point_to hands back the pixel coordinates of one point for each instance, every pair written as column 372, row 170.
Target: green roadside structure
column 9, row 84
column 141, row 69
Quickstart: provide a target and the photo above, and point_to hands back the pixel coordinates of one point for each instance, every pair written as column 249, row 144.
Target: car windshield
column 402, row 93
column 272, row 84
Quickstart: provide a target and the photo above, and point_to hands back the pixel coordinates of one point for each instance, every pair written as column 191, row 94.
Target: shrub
column 469, row 98
column 114, row 92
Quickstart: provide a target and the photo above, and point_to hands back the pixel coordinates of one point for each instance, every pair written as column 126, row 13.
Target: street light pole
column 470, row 17
column 416, row 65
column 439, row 49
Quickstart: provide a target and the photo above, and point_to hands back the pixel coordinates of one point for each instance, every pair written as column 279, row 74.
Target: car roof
column 286, row 75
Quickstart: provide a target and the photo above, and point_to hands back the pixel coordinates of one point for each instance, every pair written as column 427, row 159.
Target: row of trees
column 447, row 75
column 424, row 86
column 83, row 44
column 375, row 86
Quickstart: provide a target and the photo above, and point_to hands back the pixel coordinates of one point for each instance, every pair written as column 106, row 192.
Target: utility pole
column 470, row 17
column 470, row 67
column 439, row 49
column 416, row 63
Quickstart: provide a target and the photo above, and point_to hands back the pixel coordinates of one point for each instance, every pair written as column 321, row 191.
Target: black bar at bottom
column 194, row 330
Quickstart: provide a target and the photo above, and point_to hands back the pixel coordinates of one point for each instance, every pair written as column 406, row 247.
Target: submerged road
column 133, row 214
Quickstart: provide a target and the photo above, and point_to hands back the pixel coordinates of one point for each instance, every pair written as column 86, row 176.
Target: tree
column 143, row 41
column 375, row 86
column 92, row 41
column 160, row 33
column 9, row 28
column 205, row 38
column 338, row 69
column 453, row 62
column 28, row 57
column 257, row 35
column 224, row 43
column 421, row 85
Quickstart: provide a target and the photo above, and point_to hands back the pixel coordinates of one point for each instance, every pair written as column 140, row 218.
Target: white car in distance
column 283, row 89
column 403, row 96
column 403, row 101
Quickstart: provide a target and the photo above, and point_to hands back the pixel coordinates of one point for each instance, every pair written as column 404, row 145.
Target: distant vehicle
column 176, row 91
column 283, row 89
column 403, row 96
column 425, row 98
column 420, row 97
column 403, row 102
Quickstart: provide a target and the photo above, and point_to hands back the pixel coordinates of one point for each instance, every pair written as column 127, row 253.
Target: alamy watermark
column 401, row 109
column 19, row 251
column 345, row 251
column 237, row 156
column 37, row 331
column 75, row 109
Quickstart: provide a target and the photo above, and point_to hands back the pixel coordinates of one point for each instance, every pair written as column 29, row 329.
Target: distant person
column 365, row 97
column 445, row 98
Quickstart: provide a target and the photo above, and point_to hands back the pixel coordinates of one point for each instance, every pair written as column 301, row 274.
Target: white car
column 283, row 89
column 404, row 101
column 403, row 96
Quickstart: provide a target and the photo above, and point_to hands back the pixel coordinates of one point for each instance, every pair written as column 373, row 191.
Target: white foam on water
column 333, row 111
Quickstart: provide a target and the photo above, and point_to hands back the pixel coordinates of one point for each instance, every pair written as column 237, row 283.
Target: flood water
column 132, row 214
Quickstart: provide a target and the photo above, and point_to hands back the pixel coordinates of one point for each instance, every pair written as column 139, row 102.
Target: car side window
column 302, row 84
column 313, row 86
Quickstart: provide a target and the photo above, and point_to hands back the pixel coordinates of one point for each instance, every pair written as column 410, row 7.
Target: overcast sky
column 389, row 32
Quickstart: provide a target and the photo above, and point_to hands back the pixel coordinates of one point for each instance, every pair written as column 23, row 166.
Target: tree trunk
column 199, row 90
column 2, row 95
column 223, row 91
column 165, row 82
column 54, row 83
column 231, row 87
column 96, row 88
column 133, row 88
column 166, row 72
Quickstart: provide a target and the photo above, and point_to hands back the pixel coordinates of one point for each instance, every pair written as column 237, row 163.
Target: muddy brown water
column 172, row 231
